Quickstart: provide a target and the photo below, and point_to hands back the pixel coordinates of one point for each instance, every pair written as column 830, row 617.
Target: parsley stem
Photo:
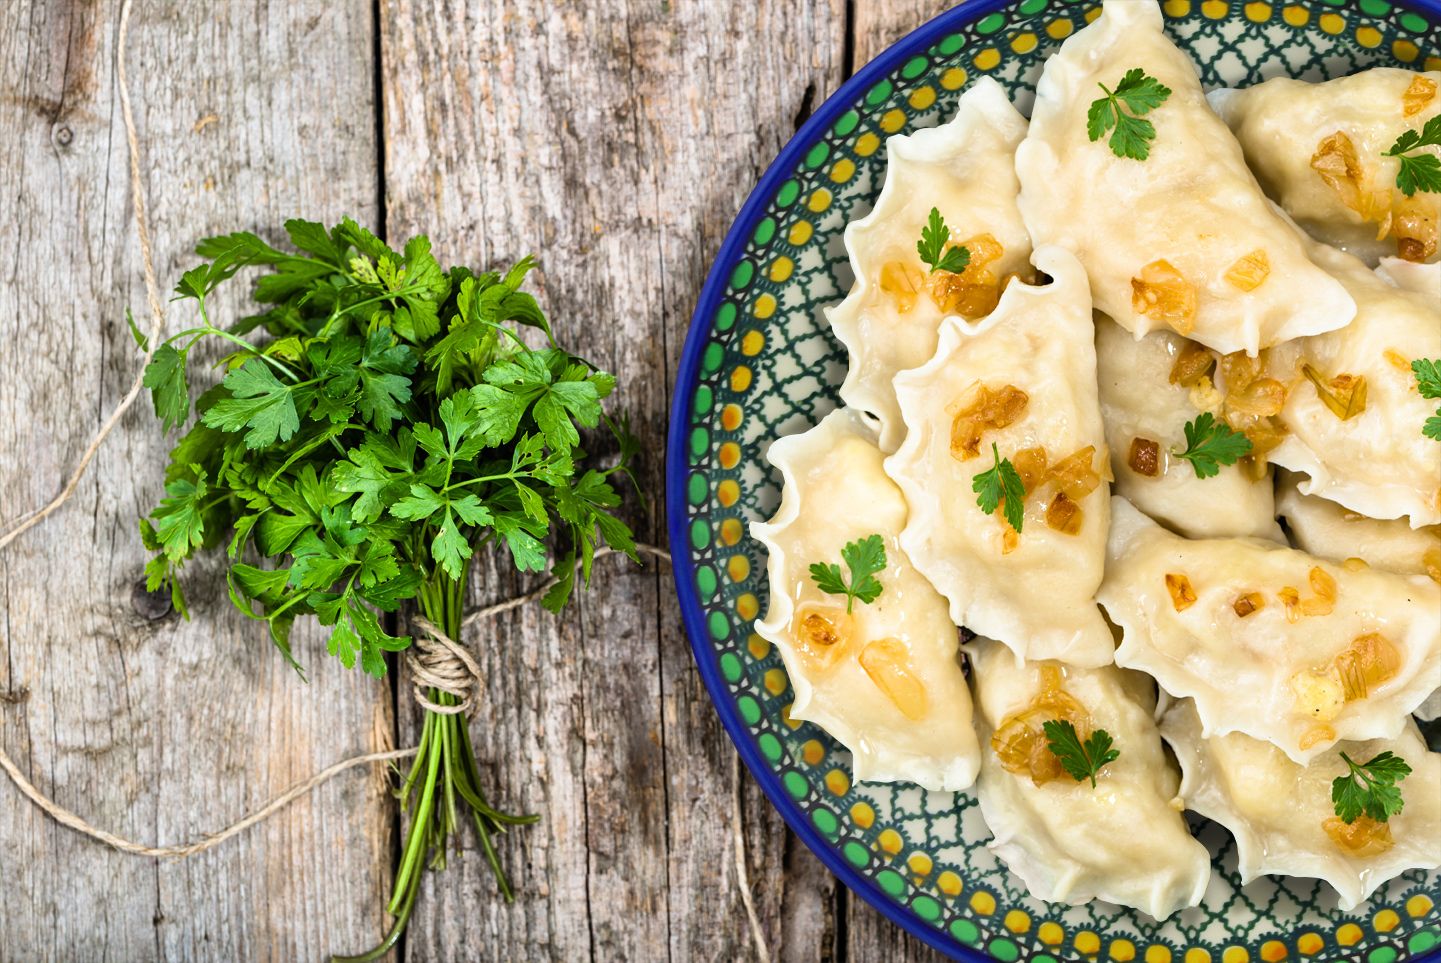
column 390, row 296
column 208, row 328
column 484, row 478
column 402, row 919
column 409, row 862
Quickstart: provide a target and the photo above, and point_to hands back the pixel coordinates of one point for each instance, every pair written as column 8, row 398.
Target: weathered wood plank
column 616, row 140
column 879, row 23
column 163, row 729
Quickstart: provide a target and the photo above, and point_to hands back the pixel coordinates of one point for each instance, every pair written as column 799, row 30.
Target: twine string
column 438, row 662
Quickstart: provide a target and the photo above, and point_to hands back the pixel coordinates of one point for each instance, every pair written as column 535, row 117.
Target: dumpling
column 1020, row 385
column 1324, row 528
column 1125, row 840
column 884, row 679
column 1321, row 652
column 1282, row 815
column 1318, row 150
column 966, row 170
column 1150, row 389
column 1183, row 240
column 1352, row 413
column 1424, row 279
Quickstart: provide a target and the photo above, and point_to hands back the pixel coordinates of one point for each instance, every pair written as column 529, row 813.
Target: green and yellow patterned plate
column 760, row 363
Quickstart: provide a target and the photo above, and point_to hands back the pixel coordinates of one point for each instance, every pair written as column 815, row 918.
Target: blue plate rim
column 677, row 468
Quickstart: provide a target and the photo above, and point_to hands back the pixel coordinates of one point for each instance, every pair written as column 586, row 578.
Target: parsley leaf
column 864, row 558
column 1211, row 444
column 1081, row 761
column 259, row 402
column 932, row 246
column 1001, row 483
column 179, row 522
column 1370, row 788
column 1131, row 136
column 165, row 377
column 1421, row 172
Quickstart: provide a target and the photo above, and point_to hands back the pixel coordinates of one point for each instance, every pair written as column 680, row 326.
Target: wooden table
column 614, row 138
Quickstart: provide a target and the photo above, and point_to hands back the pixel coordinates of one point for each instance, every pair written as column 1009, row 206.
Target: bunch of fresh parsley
column 379, row 421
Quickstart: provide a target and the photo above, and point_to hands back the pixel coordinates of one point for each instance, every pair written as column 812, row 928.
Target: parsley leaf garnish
column 1211, row 444
column 1370, row 788
column 864, row 557
column 1423, row 171
column 1428, row 382
column 932, row 246
column 1081, row 761
column 1001, row 483
column 1131, row 136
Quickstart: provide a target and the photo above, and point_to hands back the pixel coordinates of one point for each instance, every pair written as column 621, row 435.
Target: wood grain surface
column 615, row 139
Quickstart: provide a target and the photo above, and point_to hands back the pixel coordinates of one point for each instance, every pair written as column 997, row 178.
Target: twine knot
column 438, row 662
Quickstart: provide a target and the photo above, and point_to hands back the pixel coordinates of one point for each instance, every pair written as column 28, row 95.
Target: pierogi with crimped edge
column 1019, row 385
column 1184, row 240
column 1352, row 415
column 1150, row 388
column 1322, row 527
column 1269, row 641
column 1320, row 151
column 1124, row 840
column 884, row 678
column 965, row 169
column 1282, row 814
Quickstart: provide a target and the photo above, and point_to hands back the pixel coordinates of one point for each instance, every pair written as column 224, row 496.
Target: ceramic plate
column 760, row 363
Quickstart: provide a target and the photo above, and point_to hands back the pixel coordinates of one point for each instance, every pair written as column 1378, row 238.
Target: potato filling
column 1162, row 294
column 1183, row 596
column 1362, row 838
column 1019, row 742
column 887, row 662
column 1421, row 92
column 1318, row 694
column 988, row 411
column 1250, row 271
